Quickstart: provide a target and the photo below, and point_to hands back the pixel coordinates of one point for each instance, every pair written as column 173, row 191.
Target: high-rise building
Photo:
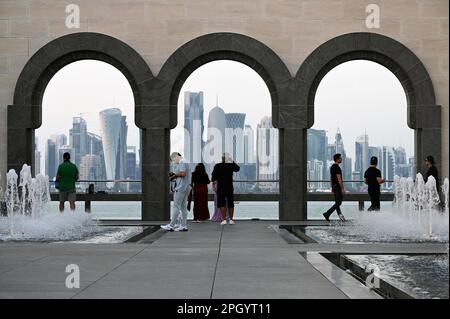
column 388, row 165
column 64, row 149
column 249, row 156
column 95, row 147
column 215, row 142
column 131, row 163
column 193, row 124
column 37, row 157
column 234, row 136
column 92, row 169
column 317, row 143
column 362, row 154
column 113, row 129
column 54, row 143
column 78, row 139
column 267, row 150
column 314, row 172
column 338, row 148
column 50, row 159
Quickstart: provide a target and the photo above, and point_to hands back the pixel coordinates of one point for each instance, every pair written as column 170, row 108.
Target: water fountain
column 416, row 216
column 29, row 217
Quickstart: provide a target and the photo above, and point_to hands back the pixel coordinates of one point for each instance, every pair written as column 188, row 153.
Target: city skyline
column 238, row 88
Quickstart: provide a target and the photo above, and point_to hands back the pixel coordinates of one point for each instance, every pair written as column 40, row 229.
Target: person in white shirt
column 181, row 178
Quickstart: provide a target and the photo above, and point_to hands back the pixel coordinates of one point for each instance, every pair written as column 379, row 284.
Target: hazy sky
column 362, row 96
column 238, row 88
column 85, row 87
column 355, row 96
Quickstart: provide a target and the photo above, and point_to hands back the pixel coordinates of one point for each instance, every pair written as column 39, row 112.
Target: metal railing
column 322, row 196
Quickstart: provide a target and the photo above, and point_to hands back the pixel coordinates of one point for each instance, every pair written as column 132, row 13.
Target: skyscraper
column 388, row 165
column 64, row 149
column 50, row 159
column 362, row 154
column 78, row 139
column 234, row 136
column 37, row 157
column 267, row 150
column 54, row 143
column 113, row 130
column 193, row 124
column 215, row 142
column 346, row 162
column 92, row 169
column 131, row 163
column 317, row 142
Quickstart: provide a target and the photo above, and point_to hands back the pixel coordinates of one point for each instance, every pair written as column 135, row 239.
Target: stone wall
column 292, row 28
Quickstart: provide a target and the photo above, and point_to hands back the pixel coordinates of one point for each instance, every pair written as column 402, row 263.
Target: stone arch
column 424, row 116
column 211, row 47
column 25, row 114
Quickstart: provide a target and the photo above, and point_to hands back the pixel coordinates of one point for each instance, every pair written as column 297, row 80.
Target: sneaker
column 327, row 217
column 342, row 218
column 181, row 228
column 231, row 222
column 167, row 227
column 224, row 222
column 196, row 221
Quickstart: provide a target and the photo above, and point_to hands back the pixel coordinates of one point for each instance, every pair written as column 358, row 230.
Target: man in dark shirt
column 431, row 169
column 222, row 178
column 372, row 177
column 337, row 187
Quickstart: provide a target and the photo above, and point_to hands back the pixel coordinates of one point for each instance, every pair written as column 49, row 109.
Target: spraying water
column 27, row 216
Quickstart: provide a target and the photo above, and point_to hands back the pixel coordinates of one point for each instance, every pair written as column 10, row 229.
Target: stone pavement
column 246, row 260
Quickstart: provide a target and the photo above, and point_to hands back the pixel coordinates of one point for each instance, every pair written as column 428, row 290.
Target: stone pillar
column 155, row 168
column 292, row 122
column 154, row 120
column 427, row 124
column 22, row 120
column 293, row 202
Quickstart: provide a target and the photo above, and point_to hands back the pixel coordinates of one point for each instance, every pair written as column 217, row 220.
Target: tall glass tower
column 113, row 128
column 193, row 124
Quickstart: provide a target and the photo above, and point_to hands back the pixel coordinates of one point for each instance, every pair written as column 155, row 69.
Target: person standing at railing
column 66, row 176
column 222, row 177
column 373, row 179
column 432, row 170
column 337, row 187
column 199, row 193
column 181, row 188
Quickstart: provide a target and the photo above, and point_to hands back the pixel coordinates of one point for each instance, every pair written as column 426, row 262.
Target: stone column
column 22, row 120
column 426, row 120
column 154, row 122
column 155, row 167
column 293, row 121
column 293, row 202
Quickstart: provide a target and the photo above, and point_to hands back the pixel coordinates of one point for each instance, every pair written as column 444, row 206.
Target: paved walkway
column 246, row 260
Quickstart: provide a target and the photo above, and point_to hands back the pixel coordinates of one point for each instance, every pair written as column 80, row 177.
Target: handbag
column 189, row 200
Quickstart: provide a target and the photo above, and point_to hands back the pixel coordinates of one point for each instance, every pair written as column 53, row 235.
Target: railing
column 272, row 195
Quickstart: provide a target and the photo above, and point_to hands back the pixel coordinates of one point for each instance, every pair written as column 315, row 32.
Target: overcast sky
column 356, row 96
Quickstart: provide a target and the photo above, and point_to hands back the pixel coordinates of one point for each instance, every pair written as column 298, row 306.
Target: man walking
column 337, row 187
column 372, row 177
column 222, row 178
column 66, row 176
column 181, row 178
